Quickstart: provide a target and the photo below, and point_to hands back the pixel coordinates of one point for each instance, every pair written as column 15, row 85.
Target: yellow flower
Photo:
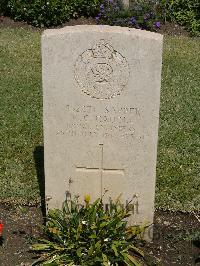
column 54, row 231
column 87, row 199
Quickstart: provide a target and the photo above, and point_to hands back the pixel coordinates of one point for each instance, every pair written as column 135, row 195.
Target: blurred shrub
column 39, row 12
column 85, row 7
column 141, row 15
column 185, row 12
column 3, row 6
column 149, row 14
column 47, row 13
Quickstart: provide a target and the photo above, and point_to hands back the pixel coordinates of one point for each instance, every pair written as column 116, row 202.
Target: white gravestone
column 101, row 115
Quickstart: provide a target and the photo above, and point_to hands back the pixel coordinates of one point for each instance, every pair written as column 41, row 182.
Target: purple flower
column 157, row 24
column 132, row 20
column 102, row 7
column 97, row 18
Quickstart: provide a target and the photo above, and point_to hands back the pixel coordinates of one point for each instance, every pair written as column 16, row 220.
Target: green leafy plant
column 85, row 7
column 142, row 14
column 3, row 6
column 40, row 13
column 89, row 235
column 185, row 12
column 48, row 13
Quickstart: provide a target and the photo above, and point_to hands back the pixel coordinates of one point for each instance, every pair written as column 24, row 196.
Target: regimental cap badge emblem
column 101, row 71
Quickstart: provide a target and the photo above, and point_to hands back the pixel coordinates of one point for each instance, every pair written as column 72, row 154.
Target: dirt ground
column 171, row 244
column 166, row 29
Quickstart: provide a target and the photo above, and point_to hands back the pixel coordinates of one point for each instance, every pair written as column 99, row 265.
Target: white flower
column 106, row 240
column 84, row 222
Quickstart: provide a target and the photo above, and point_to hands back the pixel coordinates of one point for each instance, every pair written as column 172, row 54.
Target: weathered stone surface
column 101, row 114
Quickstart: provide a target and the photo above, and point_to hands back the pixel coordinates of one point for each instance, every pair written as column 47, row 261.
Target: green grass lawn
column 178, row 171
column 21, row 113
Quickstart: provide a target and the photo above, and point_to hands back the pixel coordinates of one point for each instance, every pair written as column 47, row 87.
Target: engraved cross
column 101, row 169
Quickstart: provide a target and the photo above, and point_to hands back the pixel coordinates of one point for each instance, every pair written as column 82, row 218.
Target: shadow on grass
column 39, row 165
column 196, row 243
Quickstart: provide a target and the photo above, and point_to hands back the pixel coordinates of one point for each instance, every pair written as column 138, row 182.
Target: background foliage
column 142, row 14
column 185, row 12
column 40, row 12
column 3, row 6
column 48, row 13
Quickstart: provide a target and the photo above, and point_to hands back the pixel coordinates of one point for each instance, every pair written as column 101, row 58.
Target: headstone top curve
column 102, row 29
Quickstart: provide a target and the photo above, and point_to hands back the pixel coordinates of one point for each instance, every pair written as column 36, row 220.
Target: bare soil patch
column 170, row 245
column 166, row 29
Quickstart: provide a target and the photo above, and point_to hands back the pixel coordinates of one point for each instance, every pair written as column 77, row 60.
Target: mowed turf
column 21, row 114
column 178, row 169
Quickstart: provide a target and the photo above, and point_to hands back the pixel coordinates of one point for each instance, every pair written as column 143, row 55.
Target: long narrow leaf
column 137, row 250
column 133, row 260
